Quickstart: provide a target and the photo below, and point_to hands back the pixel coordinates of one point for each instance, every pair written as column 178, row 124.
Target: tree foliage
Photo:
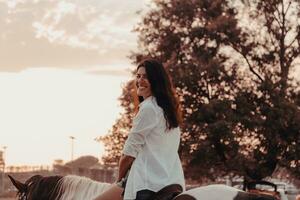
column 115, row 139
column 232, row 64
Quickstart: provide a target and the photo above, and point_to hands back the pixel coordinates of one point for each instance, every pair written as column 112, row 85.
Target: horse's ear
column 20, row 186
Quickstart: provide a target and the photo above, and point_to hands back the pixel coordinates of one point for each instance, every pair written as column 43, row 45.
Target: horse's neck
column 78, row 188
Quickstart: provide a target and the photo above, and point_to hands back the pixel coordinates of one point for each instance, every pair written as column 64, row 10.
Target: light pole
column 72, row 147
column 4, row 151
column 2, row 165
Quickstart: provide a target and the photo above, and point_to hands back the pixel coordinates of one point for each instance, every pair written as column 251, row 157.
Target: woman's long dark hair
column 162, row 89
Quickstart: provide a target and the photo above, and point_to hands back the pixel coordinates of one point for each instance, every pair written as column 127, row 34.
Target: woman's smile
column 142, row 83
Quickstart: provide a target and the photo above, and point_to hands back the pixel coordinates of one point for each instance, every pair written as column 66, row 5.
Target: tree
column 269, row 51
column 239, row 98
column 115, row 139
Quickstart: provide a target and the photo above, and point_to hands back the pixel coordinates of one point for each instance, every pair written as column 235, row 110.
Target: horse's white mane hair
column 79, row 188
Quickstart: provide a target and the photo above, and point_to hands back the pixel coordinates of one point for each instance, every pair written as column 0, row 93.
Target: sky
column 63, row 64
column 62, row 68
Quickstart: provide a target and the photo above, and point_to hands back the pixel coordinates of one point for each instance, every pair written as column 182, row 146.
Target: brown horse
column 81, row 188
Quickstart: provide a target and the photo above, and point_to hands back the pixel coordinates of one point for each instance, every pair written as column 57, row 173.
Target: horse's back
column 211, row 192
column 217, row 192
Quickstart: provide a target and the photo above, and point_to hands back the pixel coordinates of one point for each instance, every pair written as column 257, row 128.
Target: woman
column 150, row 158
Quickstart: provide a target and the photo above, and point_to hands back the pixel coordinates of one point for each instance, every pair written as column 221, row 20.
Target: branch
column 208, row 92
column 273, row 42
column 294, row 54
column 249, row 65
column 283, row 20
column 282, row 37
column 278, row 12
column 288, row 8
column 252, row 69
column 277, row 20
column 294, row 40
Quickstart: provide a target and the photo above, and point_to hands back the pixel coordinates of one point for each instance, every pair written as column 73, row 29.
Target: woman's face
column 142, row 83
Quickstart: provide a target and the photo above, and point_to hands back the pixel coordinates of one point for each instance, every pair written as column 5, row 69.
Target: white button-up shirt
column 155, row 149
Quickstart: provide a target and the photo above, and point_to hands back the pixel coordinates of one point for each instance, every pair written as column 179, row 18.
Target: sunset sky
column 62, row 66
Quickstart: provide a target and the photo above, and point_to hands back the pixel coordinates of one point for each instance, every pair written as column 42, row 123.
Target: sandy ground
column 7, row 198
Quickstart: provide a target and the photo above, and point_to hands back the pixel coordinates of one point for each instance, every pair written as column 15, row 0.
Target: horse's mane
column 39, row 187
column 78, row 188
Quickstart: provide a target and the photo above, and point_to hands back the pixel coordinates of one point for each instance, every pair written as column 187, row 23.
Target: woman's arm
column 143, row 123
column 124, row 165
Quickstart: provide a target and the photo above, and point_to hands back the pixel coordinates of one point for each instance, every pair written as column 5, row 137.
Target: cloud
column 123, row 73
column 70, row 34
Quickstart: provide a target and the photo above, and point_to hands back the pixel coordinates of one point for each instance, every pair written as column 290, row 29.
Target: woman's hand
column 124, row 165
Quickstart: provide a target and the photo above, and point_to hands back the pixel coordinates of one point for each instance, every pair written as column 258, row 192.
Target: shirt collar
column 148, row 99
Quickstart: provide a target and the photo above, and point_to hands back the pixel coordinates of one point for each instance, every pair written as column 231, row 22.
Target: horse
column 73, row 187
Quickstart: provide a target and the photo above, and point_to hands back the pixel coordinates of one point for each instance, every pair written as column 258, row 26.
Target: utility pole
column 72, row 147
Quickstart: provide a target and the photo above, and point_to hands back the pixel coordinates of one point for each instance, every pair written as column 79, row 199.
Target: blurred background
column 66, row 86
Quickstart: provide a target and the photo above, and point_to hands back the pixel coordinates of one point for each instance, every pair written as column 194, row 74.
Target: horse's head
column 37, row 187
column 25, row 190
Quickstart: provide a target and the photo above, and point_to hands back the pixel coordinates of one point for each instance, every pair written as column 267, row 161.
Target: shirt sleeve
column 143, row 123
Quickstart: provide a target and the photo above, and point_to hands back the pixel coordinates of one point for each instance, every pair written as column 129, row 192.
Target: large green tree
column 232, row 63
